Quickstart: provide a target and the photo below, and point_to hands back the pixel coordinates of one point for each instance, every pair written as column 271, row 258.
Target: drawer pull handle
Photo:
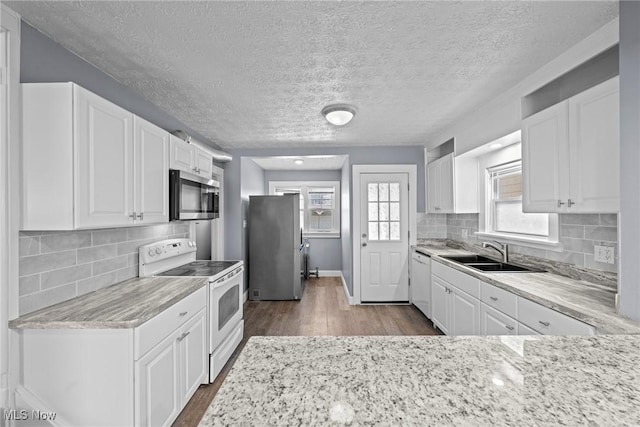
column 494, row 298
column 544, row 323
column 184, row 313
column 509, row 327
column 183, row 336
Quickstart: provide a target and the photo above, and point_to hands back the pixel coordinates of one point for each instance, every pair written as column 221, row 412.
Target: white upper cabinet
column 152, row 172
column 189, row 158
column 570, row 154
column 88, row 163
column 452, row 185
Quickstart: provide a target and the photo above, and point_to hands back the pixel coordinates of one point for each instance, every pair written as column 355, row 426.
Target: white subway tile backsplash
column 39, row 263
column 606, row 234
column 65, row 241
column 52, row 279
column 55, row 266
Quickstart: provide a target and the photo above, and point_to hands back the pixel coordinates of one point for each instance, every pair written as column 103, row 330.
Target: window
column 503, row 214
column 319, row 205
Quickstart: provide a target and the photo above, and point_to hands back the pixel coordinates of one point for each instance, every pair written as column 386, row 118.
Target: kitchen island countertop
column 124, row 305
column 442, row 380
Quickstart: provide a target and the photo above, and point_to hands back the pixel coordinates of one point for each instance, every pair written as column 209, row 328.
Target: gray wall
column 324, row 253
column 43, row 60
column 629, row 284
column 413, row 155
column 251, row 184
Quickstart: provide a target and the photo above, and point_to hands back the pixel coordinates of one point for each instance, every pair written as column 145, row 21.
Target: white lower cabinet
column 463, row 305
column 140, row 376
column 454, row 311
column 493, row 322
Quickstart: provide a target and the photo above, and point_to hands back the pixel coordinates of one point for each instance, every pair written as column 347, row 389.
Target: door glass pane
column 373, row 211
column 384, row 191
column 373, row 192
column 394, row 214
column 384, row 211
column 373, row 231
column 394, row 191
column 384, row 231
column 395, row 231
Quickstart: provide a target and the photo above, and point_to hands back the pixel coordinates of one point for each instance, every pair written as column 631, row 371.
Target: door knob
column 364, row 234
column 364, row 244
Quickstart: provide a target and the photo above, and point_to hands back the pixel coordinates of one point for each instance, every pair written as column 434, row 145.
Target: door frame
column 357, row 171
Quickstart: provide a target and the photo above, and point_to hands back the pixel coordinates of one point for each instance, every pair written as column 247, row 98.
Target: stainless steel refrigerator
column 275, row 248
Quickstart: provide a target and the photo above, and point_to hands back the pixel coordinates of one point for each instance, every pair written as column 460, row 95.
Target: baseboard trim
column 329, row 273
column 346, row 290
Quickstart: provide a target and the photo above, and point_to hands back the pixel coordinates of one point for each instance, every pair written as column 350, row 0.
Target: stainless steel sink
column 468, row 259
column 488, row 265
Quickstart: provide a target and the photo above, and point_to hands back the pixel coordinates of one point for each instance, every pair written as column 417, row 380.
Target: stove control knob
column 151, row 253
column 193, row 244
column 158, row 251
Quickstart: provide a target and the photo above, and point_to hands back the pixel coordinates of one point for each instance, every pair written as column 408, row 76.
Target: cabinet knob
column 546, row 324
column 184, row 313
column 570, row 203
column 509, row 327
column 183, row 336
column 493, row 298
column 141, row 216
column 560, row 203
column 133, row 216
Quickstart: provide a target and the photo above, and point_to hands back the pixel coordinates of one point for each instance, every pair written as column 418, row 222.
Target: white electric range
column 177, row 258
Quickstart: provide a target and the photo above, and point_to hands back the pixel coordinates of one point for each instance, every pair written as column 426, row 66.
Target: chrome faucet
column 503, row 248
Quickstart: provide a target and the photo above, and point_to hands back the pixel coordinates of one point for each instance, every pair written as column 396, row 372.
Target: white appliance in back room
column 177, row 258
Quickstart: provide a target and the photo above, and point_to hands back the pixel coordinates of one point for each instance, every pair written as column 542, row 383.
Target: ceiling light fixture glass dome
column 338, row 115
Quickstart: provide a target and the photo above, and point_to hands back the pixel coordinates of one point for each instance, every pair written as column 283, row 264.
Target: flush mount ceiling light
column 298, row 161
column 338, row 115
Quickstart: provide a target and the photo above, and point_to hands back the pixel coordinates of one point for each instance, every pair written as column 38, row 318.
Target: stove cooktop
column 200, row 268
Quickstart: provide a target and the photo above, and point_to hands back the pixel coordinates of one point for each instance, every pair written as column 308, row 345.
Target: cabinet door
column 545, row 160
column 440, row 310
column 204, row 163
column 151, row 171
column 594, row 141
column 465, row 314
column 104, row 162
column 432, row 188
column 445, row 174
column 182, row 155
column 157, row 384
column 493, row 322
column 421, row 283
column 193, row 355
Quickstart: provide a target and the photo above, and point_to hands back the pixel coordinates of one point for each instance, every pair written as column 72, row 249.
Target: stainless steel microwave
column 192, row 197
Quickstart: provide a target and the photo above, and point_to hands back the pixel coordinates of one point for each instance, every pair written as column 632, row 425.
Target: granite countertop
column 123, row 305
column 510, row 380
column 591, row 303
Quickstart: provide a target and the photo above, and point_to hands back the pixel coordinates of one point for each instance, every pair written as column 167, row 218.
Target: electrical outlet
column 465, row 233
column 604, row 254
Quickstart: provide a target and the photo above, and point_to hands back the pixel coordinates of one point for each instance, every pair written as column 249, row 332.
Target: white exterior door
column 384, row 242
column 152, row 172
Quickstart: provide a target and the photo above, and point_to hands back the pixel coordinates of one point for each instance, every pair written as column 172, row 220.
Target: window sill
column 321, row 235
column 522, row 241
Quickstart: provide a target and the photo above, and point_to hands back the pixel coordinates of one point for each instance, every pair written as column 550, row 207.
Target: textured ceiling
column 257, row 74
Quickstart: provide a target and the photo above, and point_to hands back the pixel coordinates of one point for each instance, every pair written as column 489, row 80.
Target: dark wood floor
column 323, row 310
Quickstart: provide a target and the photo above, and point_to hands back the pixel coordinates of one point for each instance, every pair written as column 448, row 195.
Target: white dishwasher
column 421, row 282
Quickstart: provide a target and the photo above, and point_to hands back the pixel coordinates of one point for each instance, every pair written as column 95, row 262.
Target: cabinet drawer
column 150, row 333
column 499, row 299
column 550, row 322
column 460, row 280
